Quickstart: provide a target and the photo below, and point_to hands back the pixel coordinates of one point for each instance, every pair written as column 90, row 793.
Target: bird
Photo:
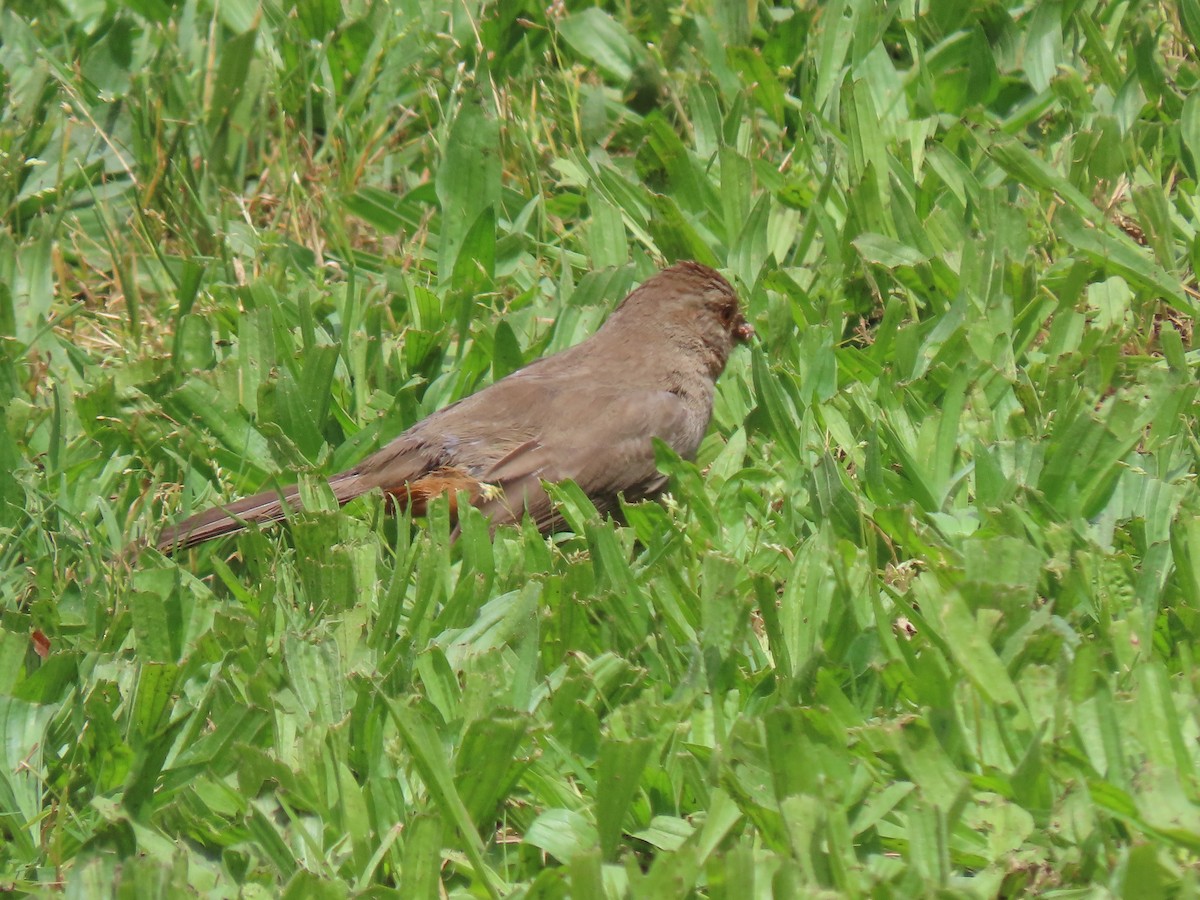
column 587, row 413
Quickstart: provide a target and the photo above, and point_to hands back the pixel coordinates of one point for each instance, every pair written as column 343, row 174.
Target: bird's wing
column 604, row 446
column 468, row 436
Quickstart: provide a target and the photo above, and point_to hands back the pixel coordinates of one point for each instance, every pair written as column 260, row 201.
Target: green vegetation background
column 923, row 616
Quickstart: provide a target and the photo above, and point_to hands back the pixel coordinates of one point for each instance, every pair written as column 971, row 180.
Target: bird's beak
column 743, row 331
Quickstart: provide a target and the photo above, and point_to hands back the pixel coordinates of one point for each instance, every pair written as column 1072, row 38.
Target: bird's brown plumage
column 587, row 414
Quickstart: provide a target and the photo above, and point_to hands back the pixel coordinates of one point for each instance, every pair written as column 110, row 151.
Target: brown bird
column 587, row 413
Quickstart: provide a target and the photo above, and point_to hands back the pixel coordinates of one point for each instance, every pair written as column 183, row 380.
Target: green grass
column 922, row 618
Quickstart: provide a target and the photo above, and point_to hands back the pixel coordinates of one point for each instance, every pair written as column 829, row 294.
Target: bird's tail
column 261, row 509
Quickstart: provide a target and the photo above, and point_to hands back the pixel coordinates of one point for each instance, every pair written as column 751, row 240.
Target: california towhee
column 587, row 413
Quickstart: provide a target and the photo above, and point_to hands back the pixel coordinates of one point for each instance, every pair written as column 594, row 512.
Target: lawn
column 921, row 618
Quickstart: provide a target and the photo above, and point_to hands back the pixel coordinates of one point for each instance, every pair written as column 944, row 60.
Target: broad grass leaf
column 722, row 612
column 1189, row 18
column 613, row 571
column 439, row 681
column 733, row 871
column 837, row 503
column 421, row 855
column 292, row 407
column 687, row 182
column 1185, row 546
column 33, row 295
column 236, row 56
column 838, row 23
column 732, row 17
column 924, row 760
column 1034, row 172
column 736, row 192
column 1085, row 461
column 730, row 460
column 666, row 832
column 152, row 732
column 230, row 113
column 562, row 833
column 1172, row 349
column 23, row 724
column 687, row 484
column 573, row 504
column 607, row 241
column 429, row 759
column 12, row 348
column 1110, row 300
column 1162, row 732
column 1107, row 63
column 317, row 18
column 802, row 819
column 475, row 262
column 707, row 120
column 12, row 496
column 749, row 250
column 587, row 876
column 507, row 355
column 618, row 776
column 945, row 450
column 48, row 683
column 901, row 439
column 1002, row 570
column 496, row 624
column 983, row 75
column 650, row 522
column 1189, row 122
column 798, row 618
column 1044, row 45
column 267, row 838
column 153, row 698
column 1143, row 872
column 954, row 173
column 674, row 235
column 880, row 804
column 768, row 605
column 313, row 671
column 1113, row 799
column 193, row 344
column 596, row 36
column 766, row 90
column 968, row 643
column 780, row 410
column 488, row 762
column 468, row 184
column 306, row 885
column 1154, row 215
column 868, row 156
column 156, row 626
column 888, row 252
column 317, row 380
column 383, row 209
